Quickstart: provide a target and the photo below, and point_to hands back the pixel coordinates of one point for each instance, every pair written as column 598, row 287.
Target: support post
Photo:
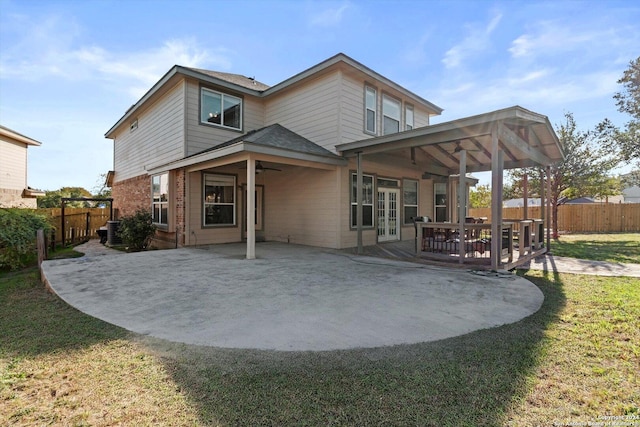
column 525, row 194
column 497, row 166
column 62, row 230
column 251, row 208
column 462, row 204
column 549, row 220
column 543, row 214
column 359, row 201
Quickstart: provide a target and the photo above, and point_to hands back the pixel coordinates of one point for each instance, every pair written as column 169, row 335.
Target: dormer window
column 220, row 109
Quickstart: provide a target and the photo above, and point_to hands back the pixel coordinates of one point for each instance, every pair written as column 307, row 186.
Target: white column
column 251, row 208
column 497, row 166
column 358, row 200
column 462, row 199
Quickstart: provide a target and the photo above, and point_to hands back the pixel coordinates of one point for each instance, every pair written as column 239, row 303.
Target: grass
column 574, row 361
column 623, row 248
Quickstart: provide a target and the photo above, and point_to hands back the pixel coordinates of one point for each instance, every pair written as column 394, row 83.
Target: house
column 518, row 203
column 336, row 156
column 14, row 191
column 631, row 190
column 631, row 194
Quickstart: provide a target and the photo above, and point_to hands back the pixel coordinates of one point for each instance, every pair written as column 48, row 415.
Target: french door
column 388, row 218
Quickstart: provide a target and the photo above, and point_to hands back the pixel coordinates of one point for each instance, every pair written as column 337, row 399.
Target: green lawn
column 574, row 361
column 599, row 247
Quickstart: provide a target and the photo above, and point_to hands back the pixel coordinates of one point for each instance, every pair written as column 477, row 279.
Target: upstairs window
column 220, row 109
column 408, row 117
column 371, row 101
column 160, row 199
column 390, row 115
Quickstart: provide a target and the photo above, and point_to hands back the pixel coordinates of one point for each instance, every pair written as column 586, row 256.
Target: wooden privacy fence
column 80, row 223
column 582, row 218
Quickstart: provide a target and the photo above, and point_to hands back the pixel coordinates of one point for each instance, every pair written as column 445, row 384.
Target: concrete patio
column 291, row 298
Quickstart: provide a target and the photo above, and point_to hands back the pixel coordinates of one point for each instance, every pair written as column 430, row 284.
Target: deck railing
column 441, row 241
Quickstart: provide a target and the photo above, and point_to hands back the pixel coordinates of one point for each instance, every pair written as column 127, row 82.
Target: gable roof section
column 18, row 137
column 442, row 141
column 249, row 86
column 342, row 58
column 236, row 79
column 272, row 140
column 277, row 136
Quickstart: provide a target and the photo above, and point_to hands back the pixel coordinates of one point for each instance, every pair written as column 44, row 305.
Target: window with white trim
column 220, row 109
column 367, row 200
column 410, row 199
column 408, row 117
column 390, row 115
column 219, row 199
column 160, row 199
column 370, row 101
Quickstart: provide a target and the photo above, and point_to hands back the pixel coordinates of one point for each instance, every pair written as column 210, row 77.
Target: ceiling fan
column 261, row 168
column 459, row 148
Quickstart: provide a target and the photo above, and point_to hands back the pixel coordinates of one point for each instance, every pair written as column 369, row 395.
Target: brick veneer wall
column 135, row 193
column 131, row 194
column 179, row 197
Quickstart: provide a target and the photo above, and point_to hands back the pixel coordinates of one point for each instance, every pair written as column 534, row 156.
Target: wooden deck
column 405, row 251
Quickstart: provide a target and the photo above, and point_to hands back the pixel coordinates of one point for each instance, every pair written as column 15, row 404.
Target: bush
column 137, row 230
column 18, row 229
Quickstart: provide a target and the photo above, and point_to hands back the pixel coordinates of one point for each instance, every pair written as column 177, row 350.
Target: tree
column 480, row 197
column 627, row 141
column 583, row 172
column 53, row 199
column 100, row 190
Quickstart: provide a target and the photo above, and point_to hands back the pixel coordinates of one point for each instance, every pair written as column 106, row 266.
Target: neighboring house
column 631, row 194
column 220, row 157
column 519, row 203
column 14, row 191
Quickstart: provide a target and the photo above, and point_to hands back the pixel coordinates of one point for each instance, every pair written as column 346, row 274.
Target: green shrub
column 137, row 230
column 18, row 229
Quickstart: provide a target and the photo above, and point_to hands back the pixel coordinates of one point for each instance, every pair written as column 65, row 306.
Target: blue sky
column 70, row 69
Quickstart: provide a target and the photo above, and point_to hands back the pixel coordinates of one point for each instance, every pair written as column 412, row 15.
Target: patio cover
column 504, row 139
column 273, row 142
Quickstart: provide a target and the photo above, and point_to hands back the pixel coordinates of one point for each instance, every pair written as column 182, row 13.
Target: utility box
column 112, row 233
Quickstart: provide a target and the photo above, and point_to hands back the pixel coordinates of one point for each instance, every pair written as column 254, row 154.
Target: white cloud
column 330, row 17
column 50, row 49
column 476, row 42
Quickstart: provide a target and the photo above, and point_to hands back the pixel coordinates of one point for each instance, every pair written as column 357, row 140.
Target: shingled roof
column 277, row 136
column 237, row 79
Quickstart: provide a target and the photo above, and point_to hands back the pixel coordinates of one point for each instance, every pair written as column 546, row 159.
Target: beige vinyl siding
column 13, row 165
column 353, row 110
column 420, row 117
column 311, row 110
column 382, row 170
column 301, row 206
column 158, row 138
column 201, row 137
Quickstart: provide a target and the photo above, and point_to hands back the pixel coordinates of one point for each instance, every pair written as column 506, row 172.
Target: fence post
column 42, row 248
column 86, row 233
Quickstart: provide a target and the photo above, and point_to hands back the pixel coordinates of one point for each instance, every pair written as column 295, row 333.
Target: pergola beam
column 514, row 140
